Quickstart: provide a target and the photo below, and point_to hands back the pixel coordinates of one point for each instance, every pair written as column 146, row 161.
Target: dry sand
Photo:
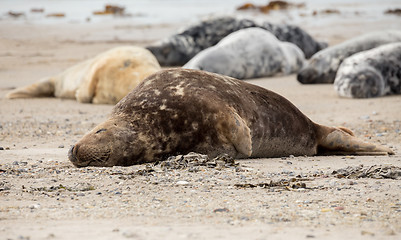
column 42, row 196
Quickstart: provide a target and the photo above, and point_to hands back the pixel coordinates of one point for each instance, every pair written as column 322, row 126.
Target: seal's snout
column 72, row 155
column 307, row 76
column 84, row 155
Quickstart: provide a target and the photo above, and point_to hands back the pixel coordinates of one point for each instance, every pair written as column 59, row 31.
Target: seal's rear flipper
column 342, row 141
column 43, row 88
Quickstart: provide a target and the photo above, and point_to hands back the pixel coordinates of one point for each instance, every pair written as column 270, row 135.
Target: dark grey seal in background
column 322, row 67
column 179, row 48
column 371, row 73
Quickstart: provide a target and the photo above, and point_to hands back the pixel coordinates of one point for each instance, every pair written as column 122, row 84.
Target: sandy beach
column 43, row 196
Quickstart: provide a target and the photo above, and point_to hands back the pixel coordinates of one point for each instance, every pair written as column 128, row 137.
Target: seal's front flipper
column 235, row 129
column 43, row 88
column 341, row 140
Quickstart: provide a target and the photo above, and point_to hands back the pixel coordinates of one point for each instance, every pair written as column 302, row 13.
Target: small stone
column 51, row 235
column 20, row 237
column 390, row 232
column 310, row 236
column 339, row 208
column 220, row 210
column 129, row 235
column 1, row 148
column 34, row 206
column 61, row 146
column 182, row 183
column 363, row 232
column 325, row 210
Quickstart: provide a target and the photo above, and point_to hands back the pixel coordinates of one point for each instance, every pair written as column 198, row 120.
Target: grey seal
column 322, row 67
column 371, row 73
column 249, row 53
column 179, row 48
column 177, row 111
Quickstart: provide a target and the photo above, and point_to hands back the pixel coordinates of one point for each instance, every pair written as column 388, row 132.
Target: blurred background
column 183, row 11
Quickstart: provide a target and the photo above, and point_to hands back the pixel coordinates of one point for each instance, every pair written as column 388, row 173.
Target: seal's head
column 169, row 53
column 360, row 83
column 319, row 69
column 108, row 144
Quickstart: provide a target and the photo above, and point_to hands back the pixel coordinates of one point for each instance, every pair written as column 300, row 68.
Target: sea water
column 183, row 11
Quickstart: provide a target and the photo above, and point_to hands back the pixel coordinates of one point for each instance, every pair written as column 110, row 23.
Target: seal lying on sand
column 178, row 49
column 372, row 73
column 322, row 67
column 178, row 111
column 106, row 78
column 249, row 53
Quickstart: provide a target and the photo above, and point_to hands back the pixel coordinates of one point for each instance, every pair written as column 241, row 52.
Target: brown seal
column 177, row 111
column 103, row 79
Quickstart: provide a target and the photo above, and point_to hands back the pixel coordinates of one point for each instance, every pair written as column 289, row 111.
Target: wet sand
column 42, row 196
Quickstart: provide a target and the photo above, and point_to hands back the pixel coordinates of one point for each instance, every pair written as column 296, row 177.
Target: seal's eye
column 100, row 130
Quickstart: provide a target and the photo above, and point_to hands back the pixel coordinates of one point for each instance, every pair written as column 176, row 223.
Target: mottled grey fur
column 322, row 67
column 249, row 53
column 372, row 73
column 181, row 47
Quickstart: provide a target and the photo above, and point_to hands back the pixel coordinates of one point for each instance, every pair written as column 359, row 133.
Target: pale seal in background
column 371, row 73
column 322, row 66
column 178, row 111
column 249, row 53
column 103, row 79
column 179, row 48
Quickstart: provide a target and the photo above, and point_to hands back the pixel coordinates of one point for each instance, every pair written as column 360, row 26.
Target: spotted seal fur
column 103, row 79
column 371, row 73
column 179, row 48
column 249, row 53
column 323, row 66
column 177, row 111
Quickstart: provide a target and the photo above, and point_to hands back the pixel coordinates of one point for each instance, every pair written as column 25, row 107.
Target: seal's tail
column 342, row 141
column 43, row 88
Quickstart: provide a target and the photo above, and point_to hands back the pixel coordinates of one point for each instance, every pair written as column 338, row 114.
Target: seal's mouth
column 83, row 157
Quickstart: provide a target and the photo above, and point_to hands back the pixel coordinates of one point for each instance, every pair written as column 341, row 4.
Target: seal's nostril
column 75, row 150
column 72, row 153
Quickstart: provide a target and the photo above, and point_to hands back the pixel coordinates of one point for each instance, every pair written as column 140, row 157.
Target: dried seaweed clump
column 192, row 161
column 375, row 171
column 111, row 9
column 272, row 5
column 396, row 11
